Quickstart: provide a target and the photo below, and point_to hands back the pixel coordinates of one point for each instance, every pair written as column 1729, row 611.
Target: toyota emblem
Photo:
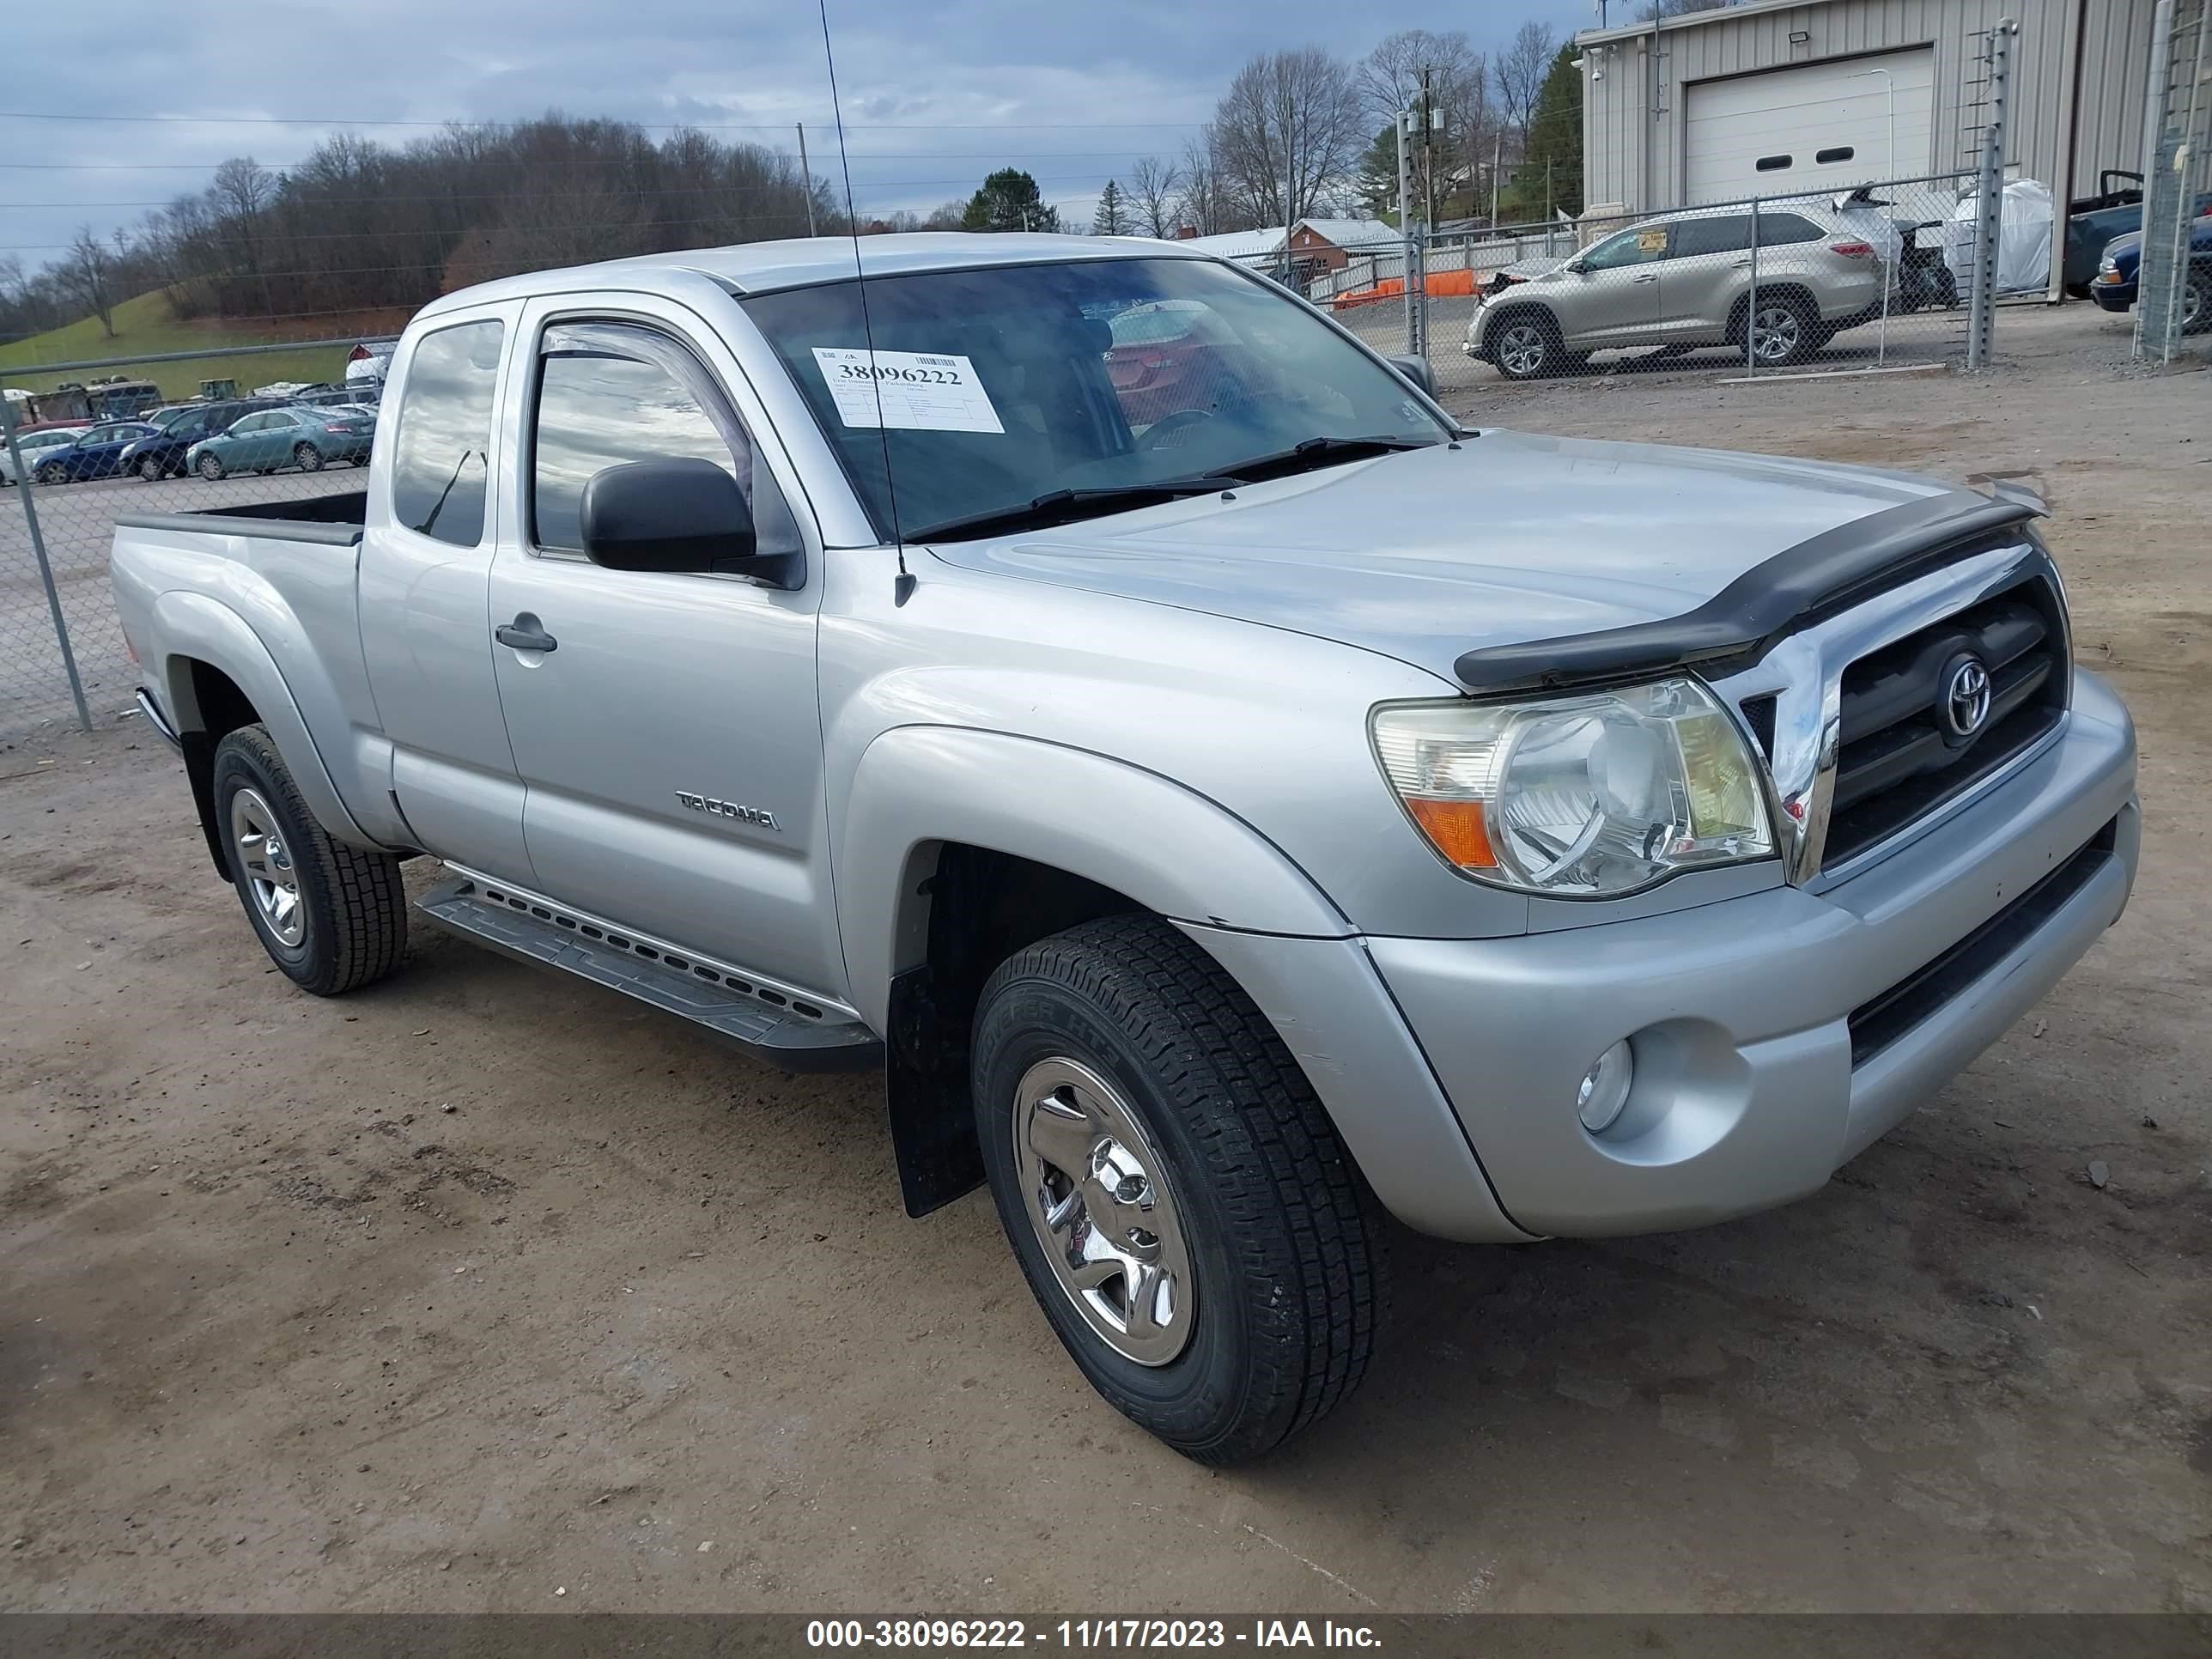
column 1966, row 698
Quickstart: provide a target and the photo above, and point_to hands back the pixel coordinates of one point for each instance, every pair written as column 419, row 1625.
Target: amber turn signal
column 1458, row 829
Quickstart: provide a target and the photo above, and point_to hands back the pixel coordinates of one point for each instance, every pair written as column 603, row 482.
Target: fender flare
column 195, row 627
column 1168, row 848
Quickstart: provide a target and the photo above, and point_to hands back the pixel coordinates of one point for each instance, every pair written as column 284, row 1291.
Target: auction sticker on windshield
column 913, row 390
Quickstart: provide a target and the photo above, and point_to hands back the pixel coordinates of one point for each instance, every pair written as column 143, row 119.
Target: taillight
column 1852, row 250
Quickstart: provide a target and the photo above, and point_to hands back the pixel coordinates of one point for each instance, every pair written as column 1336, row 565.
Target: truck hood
column 1508, row 540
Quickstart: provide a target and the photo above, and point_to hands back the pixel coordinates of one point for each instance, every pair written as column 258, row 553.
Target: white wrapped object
column 2024, row 231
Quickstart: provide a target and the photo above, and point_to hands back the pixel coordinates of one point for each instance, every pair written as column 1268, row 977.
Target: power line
column 646, row 126
column 533, row 162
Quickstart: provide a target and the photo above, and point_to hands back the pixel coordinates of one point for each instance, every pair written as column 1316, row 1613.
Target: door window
column 1727, row 232
column 611, row 393
column 438, row 466
column 1637, row 246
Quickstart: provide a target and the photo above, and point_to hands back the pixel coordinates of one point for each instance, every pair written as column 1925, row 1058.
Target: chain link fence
column 93, row 441
column 2174, row 278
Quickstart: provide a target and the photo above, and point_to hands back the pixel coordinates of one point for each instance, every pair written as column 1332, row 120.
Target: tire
column 151, row 470
column 307, row 457
column 1788, row 324
column 1127, row 1046
column 209, row 467
column 346, row 924
column 51, row 475
column 2196, row 300
column 1526, row 345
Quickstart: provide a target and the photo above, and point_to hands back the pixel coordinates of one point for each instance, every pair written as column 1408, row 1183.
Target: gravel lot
column 481, row 1284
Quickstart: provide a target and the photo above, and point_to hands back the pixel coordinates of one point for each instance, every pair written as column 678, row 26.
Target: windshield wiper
column 1067, row 505
column 1316, row 451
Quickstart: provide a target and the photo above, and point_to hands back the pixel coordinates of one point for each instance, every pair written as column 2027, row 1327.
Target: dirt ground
column 481, row 1286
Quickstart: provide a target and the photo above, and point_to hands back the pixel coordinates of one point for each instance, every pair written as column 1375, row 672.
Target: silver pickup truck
column 1229, row 799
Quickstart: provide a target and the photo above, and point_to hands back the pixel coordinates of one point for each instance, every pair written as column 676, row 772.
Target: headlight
column 1581, row 797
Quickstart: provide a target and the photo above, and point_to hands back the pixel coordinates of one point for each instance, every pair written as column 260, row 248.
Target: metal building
column 1784, row 96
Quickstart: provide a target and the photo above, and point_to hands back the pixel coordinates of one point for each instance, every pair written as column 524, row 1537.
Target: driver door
column 668, row 738
column 1610, row 295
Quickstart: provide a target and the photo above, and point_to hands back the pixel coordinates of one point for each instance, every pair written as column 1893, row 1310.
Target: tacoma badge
column 728, row 809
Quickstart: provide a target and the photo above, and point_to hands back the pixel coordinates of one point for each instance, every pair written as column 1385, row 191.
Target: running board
column 785, row 1029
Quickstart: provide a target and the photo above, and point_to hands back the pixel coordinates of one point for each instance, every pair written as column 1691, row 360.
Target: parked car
column 43, row 442
column 1684, row 281
column 162, row 454
column 2114, row 288
column 365, row 395
column 2093, row 222
column 96, row 452
column 1219, row 827
column 275, row 438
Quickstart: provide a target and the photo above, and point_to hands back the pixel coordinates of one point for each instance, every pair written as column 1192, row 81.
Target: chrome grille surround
column 1803, row 674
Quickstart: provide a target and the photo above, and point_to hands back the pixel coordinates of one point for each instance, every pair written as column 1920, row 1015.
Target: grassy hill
column 147, row 324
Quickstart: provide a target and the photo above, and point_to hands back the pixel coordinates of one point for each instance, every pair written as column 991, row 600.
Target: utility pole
column 806, row 174
column 1497, row 167
column 1409, row 232
column 1428, row 157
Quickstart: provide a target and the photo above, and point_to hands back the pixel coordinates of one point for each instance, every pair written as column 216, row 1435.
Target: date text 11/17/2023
column 929, row 1634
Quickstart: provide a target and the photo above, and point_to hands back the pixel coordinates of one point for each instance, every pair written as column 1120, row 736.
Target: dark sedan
column 96, row 453
column 162, row 454
column 2114, row 288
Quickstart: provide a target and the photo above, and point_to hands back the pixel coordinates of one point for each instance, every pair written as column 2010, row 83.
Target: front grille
column 1880, row 1021
column 1900, row 758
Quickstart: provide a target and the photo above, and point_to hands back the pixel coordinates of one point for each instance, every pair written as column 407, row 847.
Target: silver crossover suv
column 1684, row 281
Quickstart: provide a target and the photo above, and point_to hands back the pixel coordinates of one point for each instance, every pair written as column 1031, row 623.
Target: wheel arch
column 217, row 676
column 962, row 847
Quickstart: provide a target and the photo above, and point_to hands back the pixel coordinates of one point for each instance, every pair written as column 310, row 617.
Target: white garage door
column 1812, row 126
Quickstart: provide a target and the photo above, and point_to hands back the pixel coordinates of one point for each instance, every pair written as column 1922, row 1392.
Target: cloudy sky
column 935, row 93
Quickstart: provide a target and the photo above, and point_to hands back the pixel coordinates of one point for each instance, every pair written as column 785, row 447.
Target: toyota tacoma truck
column 1229, row 801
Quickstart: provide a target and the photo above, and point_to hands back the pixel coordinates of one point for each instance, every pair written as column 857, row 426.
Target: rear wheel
column 332, row 917
column 2196, row 300
column 1177, row 1199
column 1528, row 346
column 1782, row 330
column 209, row 467
column 307, row 457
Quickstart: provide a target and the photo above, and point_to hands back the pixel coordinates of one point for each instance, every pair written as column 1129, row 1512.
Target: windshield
column 1011, row 382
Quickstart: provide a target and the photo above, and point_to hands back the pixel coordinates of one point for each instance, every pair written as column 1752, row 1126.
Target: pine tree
column 1550, row 172
column 1009, row 201
column 1113, row 217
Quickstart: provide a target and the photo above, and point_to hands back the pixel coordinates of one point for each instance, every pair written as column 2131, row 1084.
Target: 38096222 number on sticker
column 907, row 390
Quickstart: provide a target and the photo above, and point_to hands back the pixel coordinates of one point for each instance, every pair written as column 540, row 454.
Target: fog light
column 1604, row 1088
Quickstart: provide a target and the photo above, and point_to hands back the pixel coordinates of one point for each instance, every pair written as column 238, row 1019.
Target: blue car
column 97, row 454
column 2114, row 286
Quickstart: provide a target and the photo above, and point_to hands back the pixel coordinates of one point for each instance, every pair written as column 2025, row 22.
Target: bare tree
column 1153, row 185
column 1203, row 202
column 1519, row 71
column 1287, row 134
column 1655, row 9
column 1457, row 80
column 85, row 272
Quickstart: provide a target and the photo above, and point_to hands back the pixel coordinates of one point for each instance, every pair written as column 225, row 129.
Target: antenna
column 903, row 589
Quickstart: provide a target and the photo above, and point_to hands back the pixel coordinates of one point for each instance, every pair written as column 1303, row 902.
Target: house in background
column 1779, row 97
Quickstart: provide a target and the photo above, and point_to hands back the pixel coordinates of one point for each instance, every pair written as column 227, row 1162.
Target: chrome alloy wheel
column 1097, row 1194
column 268, row 865
column 1520, row 348
column 1775, row 333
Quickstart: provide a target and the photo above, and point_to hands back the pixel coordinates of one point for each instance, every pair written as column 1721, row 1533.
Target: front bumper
column 1741, row 1012
column 2112, row 296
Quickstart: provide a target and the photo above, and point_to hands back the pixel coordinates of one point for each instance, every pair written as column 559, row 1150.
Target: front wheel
column 332, row 917
column 307, row 457
column 2196, row 300
column 209, row 467
column 150, row 468
column 53, row 475
column 1528, row 346
column 1188, row 1221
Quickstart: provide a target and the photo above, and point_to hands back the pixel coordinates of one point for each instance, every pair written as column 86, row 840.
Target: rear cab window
column 439, row 464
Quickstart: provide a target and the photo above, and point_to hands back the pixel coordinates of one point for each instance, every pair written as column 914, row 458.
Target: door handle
column 524, row 634
column 1649, row 277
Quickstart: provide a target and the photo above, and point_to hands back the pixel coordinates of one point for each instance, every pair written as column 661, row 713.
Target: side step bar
column 784, row 1030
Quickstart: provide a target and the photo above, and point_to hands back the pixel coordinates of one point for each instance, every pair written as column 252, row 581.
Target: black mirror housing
column 686, row 517
column 1416, row 369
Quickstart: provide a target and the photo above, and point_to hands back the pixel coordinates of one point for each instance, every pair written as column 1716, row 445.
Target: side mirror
column 685, row 516
column 1417, row 370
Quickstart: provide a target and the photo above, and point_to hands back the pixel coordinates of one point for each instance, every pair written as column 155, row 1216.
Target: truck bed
column 335, row 521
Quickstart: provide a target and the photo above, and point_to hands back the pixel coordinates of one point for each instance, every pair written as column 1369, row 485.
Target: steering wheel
column 1167, row 425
